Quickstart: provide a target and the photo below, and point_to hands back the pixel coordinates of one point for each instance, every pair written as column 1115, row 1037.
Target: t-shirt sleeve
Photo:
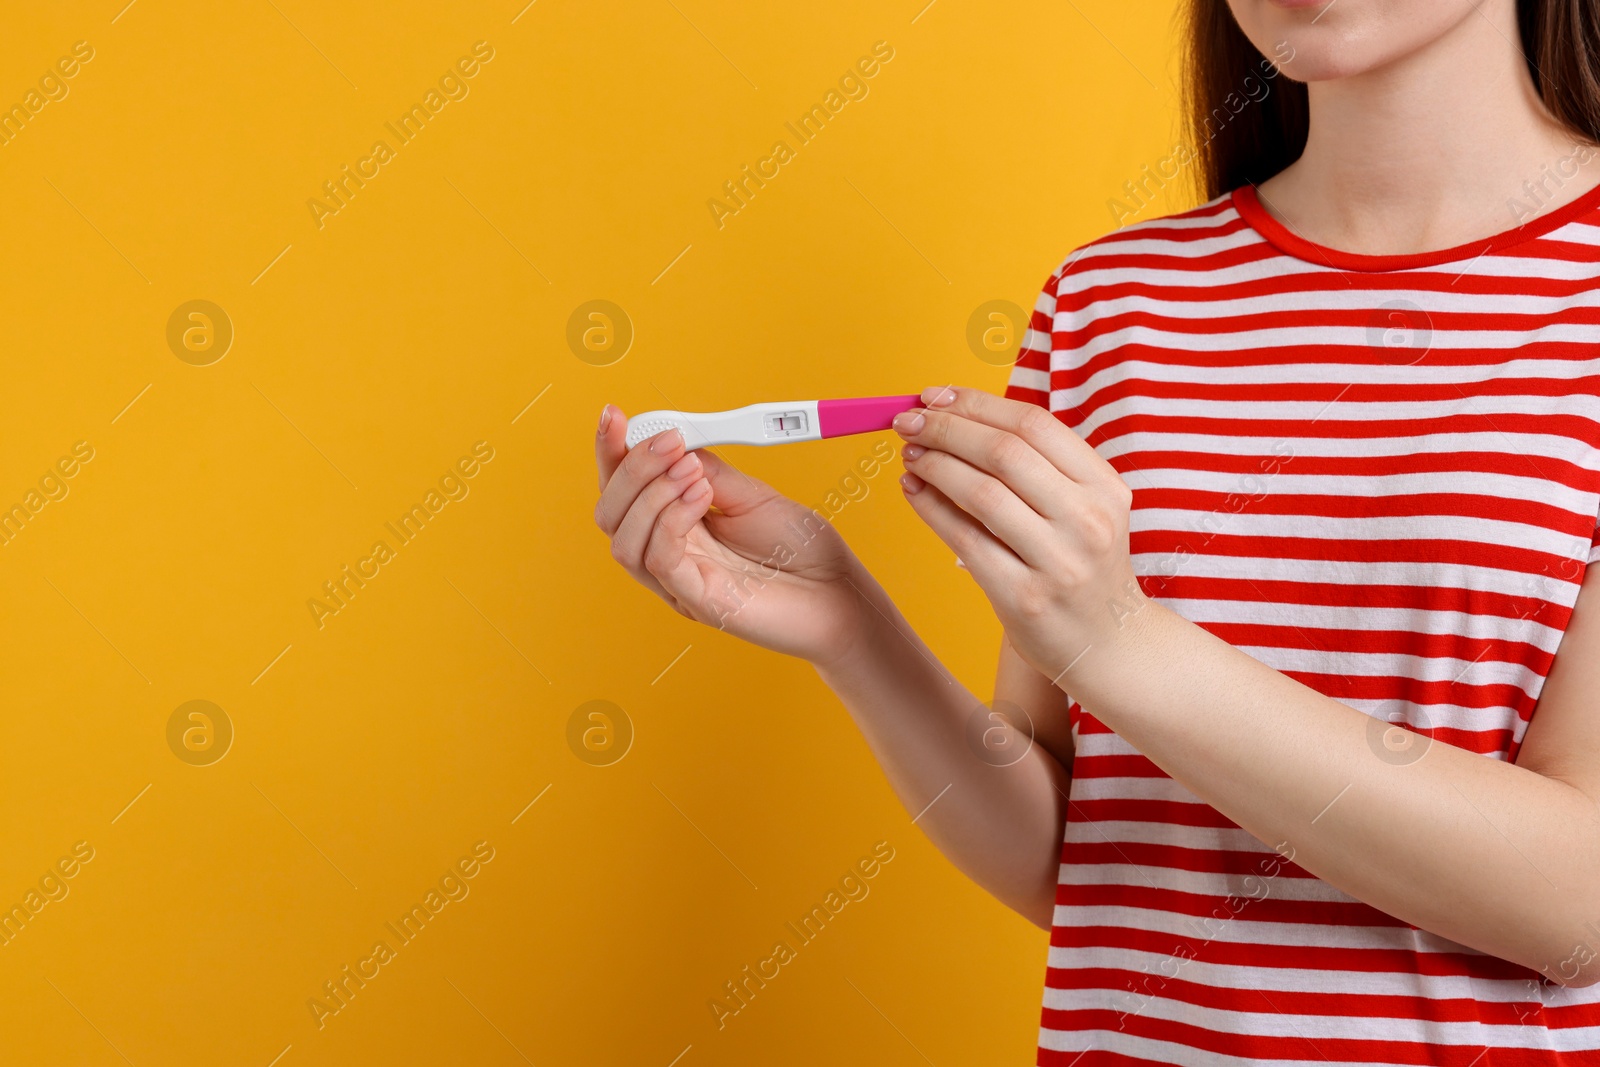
column 1594, row 545
column 1030, row 374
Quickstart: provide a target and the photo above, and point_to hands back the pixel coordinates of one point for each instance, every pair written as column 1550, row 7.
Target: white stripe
column 1364, row 370
column 1434, row 716
column 1196, row 248
column 1304, row 979
column 1539, row 446
column 1168, row 1052
column 1573, row 1039
column 1355, row 338
column 1421, row 528
column 1267, row 1021
column 1121, row 832
column 1410, row 621
column 1028, row 378
column 1356, row 297
column 1125, row 789
column 1484, row 671
column 1240, row 930
column 1454, row 716
column 1501, row 487
column 1352, row 298
column 1087, row 276
column 1524, row 271
column 1334, row 572
column 1195, row 283
column 1254, row 885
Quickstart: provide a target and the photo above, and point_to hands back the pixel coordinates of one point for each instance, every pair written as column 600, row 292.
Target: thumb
column 733, row 492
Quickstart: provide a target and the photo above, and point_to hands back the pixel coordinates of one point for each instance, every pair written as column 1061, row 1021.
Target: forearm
column 999, row 822
column 1476, row 850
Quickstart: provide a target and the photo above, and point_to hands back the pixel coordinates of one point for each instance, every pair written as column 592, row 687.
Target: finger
column 1069, row 453
column 643, row 464
column 1010, row 458
column 735, row 492
column 669, row 540
column 984, row 555
column 610, row 442
column 984, row 497
column 633, row 532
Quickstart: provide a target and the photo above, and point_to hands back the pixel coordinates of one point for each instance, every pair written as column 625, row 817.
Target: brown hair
column 1238, row 138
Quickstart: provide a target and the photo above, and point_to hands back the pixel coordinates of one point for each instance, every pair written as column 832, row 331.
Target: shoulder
column 1184, row 240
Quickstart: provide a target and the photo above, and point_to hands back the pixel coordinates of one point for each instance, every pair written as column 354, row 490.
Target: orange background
column 429, row 313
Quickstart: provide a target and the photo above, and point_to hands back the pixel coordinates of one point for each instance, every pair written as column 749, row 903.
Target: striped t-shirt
column 1378, row 475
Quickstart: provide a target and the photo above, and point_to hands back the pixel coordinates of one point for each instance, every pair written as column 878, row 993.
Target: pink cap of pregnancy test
column 836, row 418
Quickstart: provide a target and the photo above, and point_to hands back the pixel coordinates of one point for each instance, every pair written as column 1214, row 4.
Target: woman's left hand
column 1035, row 514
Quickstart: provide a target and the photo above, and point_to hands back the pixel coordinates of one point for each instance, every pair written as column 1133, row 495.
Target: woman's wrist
column 1103, row 674
column 869, row 617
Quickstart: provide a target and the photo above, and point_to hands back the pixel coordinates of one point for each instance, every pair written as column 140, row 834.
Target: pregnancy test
column 774, row 423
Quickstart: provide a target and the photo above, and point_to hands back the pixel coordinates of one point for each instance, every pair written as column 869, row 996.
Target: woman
column 1294, row 494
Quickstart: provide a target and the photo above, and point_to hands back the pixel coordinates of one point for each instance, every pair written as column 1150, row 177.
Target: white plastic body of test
column 755, row 424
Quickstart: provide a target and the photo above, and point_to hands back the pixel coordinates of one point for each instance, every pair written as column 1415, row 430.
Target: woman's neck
column 1448, row 145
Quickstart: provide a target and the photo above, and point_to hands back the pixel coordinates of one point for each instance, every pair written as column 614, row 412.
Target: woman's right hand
column 725, row 549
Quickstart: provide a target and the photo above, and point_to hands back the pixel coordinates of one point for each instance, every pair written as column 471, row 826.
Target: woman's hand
column 1037, row 517
column 725, row 549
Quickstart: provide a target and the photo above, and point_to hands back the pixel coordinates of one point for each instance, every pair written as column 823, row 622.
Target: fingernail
column 687, row 465
column 666, row 442
column 698, row 491
column 939, row 395
column 605, row 418
column 911, row 483
column 912, row 451
column 909, row 422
